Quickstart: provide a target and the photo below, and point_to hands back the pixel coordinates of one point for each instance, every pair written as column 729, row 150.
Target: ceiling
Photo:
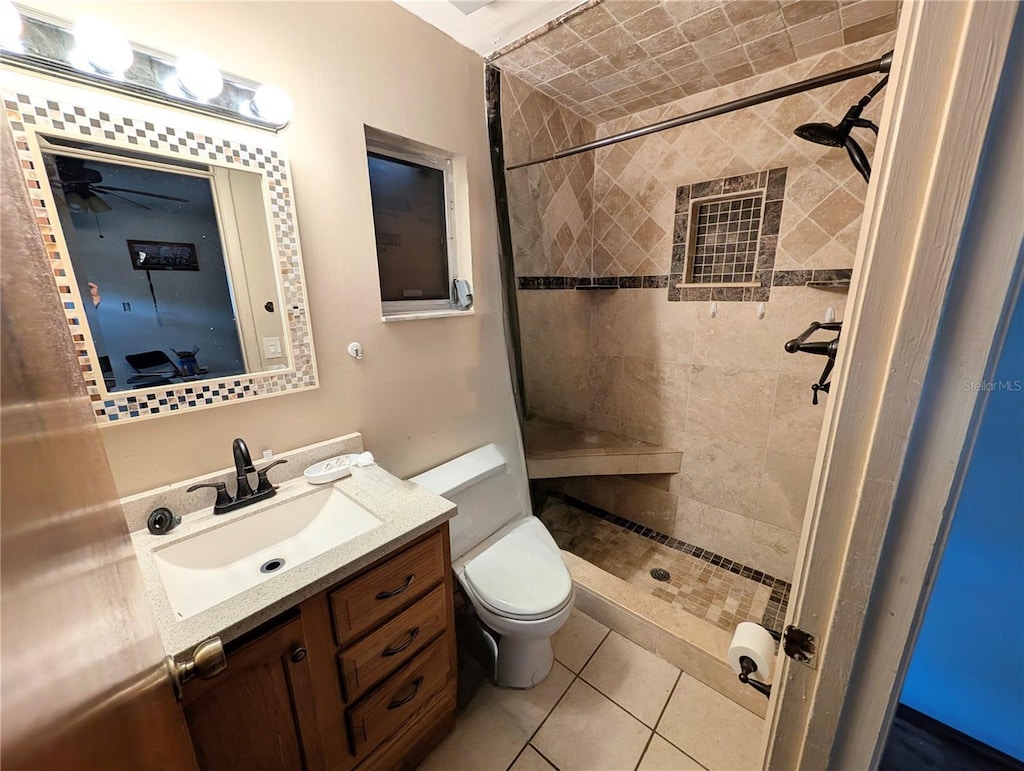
column 488, row 27
column 618, row 57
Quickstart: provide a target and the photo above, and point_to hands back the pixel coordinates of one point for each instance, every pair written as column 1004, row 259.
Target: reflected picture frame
column 162, row 255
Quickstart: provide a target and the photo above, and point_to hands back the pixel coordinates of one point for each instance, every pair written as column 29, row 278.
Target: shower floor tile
column 708, row 591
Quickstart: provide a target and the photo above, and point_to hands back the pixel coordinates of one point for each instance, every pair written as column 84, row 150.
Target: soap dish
column 336, row 468
column 330, row 470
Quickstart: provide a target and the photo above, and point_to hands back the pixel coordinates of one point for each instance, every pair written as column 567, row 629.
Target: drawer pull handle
column 398, row 591
column 406, row 699
column 393, row 651
column 298, row 654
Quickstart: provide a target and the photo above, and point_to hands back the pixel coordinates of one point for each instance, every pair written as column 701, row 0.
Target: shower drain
column 660, row 574
column 271, row 565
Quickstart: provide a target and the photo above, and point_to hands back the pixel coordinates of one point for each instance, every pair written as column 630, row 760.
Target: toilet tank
column 481, row 484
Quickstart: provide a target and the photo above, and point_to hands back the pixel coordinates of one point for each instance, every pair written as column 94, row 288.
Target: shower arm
column 883, row 65
column 852, row 116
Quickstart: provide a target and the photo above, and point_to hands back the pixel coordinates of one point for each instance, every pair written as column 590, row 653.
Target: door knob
column 207, row 661
column 298, row 654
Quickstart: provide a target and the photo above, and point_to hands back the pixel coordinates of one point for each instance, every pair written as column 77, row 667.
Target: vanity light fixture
column 101, row 46
column 271, row 104
column 11, row 28
column 94, row 52
column 198, row 76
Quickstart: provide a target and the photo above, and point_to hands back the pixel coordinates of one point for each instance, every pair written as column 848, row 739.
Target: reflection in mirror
column 173, row 262
column 174, row 309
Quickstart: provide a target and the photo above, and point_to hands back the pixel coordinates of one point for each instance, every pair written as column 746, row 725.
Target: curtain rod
column 879, row 65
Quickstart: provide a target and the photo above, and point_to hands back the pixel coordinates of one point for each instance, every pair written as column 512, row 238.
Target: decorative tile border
column 800, row 277
column 573, row 282
column 778, row 601
column 28, row 110
column 772, row 183
column 779, row 278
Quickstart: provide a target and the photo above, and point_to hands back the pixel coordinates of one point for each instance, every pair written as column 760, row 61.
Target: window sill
column 720, row 285
column 419, row 315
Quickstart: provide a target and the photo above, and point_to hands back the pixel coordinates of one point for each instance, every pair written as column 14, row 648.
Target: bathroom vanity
column 340, row 657
column 359, row 675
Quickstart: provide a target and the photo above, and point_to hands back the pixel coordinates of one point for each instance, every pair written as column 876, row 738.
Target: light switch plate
column 271, row 346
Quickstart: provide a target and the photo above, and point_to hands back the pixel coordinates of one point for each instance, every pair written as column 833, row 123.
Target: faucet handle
column 264, row 484
column 223, row 498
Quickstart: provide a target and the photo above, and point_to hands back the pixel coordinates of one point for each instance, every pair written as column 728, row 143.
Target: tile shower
column 649, row 360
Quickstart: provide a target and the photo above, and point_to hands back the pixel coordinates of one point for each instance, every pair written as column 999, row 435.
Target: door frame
column 900, row 422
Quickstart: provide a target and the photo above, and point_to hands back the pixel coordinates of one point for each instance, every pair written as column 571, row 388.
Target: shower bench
column 556, row 449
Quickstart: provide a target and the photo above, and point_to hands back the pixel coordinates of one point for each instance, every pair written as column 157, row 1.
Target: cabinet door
column 260, row 713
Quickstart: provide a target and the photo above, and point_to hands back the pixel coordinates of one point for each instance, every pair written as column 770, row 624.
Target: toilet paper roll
column 752, row 640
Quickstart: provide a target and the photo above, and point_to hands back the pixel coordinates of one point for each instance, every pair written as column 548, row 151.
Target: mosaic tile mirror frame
column 35, row 105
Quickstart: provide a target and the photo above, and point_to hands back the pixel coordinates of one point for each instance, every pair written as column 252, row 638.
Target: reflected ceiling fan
column 82, row 186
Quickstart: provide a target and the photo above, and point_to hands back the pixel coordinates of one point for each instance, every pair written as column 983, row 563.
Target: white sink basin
column 219, row 563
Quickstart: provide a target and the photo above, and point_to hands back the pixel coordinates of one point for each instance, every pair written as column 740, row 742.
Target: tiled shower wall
column 551, row 212
column 551, row 205
column 720, row 389
column 635, row 182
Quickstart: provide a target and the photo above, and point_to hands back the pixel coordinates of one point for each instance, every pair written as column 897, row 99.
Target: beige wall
column 427, row 390
column 722, row 390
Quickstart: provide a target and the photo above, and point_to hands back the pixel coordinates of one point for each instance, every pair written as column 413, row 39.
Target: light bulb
column 10, row 27
column 272, row 104
column 102, row 46
column 199, row 76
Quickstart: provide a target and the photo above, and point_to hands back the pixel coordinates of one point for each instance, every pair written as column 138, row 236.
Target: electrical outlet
column 271, row 347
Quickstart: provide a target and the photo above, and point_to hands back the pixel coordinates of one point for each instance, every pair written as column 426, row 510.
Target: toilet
column 507, row 563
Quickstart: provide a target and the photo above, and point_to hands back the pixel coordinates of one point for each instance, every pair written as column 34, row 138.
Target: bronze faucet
column 244, row 494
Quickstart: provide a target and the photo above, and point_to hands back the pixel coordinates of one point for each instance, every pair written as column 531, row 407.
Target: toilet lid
column 522, row 575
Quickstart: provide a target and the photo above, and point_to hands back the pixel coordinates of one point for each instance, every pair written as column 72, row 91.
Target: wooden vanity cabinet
column 359, row 676
column 260, row 712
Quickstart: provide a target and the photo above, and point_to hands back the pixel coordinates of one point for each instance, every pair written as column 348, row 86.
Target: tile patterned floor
column 697, row 585
column 608, row 705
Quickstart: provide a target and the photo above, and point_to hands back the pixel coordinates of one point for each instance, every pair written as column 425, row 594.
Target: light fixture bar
column 47, row 45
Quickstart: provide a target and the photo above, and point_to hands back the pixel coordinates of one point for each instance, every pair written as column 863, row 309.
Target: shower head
column 839, row 134
column 822, row 134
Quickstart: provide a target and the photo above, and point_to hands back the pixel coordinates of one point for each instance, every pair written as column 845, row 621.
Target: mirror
column 173, row 261
column 174, row 251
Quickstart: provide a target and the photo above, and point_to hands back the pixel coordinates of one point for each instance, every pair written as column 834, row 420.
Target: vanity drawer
column 377, row 716
column 383, row 651
column 363, row 603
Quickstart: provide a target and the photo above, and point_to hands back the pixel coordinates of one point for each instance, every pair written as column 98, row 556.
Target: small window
column 413, row 199
column 724, row 236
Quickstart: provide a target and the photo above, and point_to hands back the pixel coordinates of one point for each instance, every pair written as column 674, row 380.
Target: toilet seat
column 522, row 575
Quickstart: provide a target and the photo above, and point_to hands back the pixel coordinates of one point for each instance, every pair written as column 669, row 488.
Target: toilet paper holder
column 747, row 668
column 796, row 643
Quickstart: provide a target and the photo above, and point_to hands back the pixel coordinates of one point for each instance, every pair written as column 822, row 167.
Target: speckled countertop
column 405, row 510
